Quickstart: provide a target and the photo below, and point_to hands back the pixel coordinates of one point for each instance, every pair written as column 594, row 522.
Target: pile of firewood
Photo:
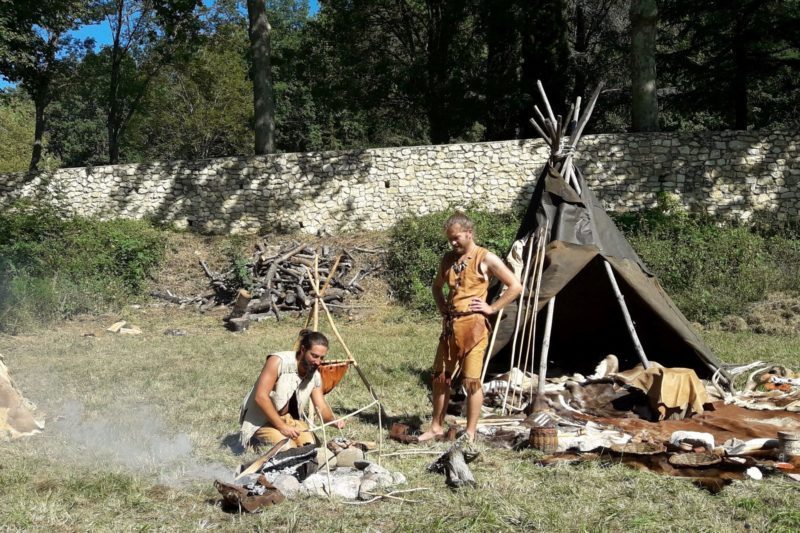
column 272, row 282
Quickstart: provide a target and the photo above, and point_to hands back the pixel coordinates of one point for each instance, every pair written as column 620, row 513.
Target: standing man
column 465, row 330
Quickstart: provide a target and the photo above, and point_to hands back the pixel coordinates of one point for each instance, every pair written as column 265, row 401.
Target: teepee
column 586, row 293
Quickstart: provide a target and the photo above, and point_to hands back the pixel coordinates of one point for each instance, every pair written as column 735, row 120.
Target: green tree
column 404, row 61
column 732, row 63
column 17, row 115
column 200, row 108
column 644, row 103
column 147, row 34
column 36, row 52
column 263, row 99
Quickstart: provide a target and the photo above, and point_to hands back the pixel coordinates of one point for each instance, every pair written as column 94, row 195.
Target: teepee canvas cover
column 588, row 322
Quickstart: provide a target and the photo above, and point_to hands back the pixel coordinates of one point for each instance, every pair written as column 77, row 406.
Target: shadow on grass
column 232, row 443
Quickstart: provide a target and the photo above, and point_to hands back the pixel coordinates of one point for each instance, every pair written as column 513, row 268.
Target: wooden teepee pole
column 621, row 299
column 488, row 354
column 536, row 278
column 539, row 404
column 516, row 325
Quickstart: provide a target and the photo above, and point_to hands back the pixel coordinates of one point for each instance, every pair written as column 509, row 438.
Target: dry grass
column 166, row 406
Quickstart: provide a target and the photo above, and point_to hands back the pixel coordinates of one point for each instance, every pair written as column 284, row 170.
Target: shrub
column 711, row 268
column 417, row 244
column 52, row 268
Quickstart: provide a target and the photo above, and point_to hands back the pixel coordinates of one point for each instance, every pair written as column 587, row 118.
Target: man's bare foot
column 430, row 435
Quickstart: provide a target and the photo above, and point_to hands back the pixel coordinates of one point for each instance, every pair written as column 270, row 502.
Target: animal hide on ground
column 16, row 413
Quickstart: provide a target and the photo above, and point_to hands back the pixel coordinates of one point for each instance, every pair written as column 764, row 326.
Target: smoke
column 135, row 438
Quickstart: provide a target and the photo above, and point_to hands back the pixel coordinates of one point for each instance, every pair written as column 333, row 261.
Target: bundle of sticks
column 274, row 281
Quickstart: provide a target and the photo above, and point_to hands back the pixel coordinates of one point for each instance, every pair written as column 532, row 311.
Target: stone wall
column 732, row 174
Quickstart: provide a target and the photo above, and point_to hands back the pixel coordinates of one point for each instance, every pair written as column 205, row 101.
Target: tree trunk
column 739, row 87
column 644, row 105
column 263, row 102
column 36, row 156
column 113, row 119
column 581, row 47
column 545, row 57
column 502, row 58
column 436, row 97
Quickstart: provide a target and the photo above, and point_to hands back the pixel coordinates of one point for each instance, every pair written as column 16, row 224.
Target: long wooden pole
column 316, row 290
column 543, row 244
column 488, row 354
column 625, row 313
column 537, row 278
column 539, row 403
column 516, row 326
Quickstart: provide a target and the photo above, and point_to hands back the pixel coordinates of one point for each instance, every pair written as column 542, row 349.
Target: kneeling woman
column 272, row 409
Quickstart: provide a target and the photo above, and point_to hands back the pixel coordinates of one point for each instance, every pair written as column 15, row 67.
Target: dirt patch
column 779, row 314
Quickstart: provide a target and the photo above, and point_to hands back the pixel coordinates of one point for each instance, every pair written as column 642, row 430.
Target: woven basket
column 638, row 448
column 544, row 439
column 694, row 460
column 332, row 373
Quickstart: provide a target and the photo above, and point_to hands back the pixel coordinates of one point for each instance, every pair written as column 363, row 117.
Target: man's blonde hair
column 460, row 219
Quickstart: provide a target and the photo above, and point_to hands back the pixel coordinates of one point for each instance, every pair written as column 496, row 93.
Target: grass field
column 138, row 427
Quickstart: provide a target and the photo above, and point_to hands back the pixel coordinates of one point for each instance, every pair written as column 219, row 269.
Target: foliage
column 37, row 52
column 711, row 269
column 417, row 245
column 16, row 132
column 52, row 268
column 198, row 108
column 731, row 64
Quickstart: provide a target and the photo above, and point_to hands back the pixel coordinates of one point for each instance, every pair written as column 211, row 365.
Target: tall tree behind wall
column 644, row 103
column 502, row 85
column 263, row 99
column 545, row 57
column 36, row 52
column 149, row 33
column 733, row 63
column 406, row 60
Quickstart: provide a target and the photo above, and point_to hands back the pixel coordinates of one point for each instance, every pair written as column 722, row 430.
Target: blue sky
column 101, row 32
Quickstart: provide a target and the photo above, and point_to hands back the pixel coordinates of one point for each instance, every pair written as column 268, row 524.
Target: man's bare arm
column 498, row 269
column 322, row 406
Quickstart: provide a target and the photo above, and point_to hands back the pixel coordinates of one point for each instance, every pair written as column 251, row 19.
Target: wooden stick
column 557, row 140
column 488, row 354
column 541, row 132
column 352, row 359
column 539, row 114
column 316, row 289
column 621, row 299
column 520, row 365
column 330, row 275
column 519, row 312
column 548, row 326
column 258, row 463
column 413, row 452
column 345, row 417
column 565, row 127
column 327, row 463
column 546, row 101
column 576, row 135
column 539, row 270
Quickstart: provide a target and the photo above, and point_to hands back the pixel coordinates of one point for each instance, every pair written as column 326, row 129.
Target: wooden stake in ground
column 540, row 404
column 626, row 314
